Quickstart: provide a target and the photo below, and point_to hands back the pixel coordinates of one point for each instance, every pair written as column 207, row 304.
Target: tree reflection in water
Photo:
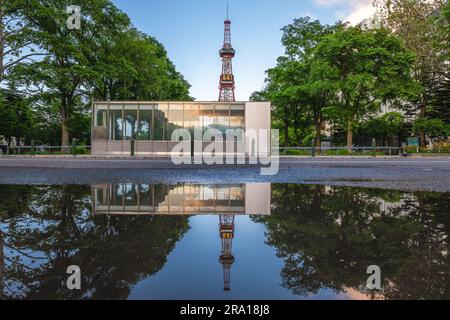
column 328, row 236
column 46, row 229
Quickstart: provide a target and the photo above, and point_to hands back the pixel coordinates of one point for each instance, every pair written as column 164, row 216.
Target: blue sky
column 192, row 32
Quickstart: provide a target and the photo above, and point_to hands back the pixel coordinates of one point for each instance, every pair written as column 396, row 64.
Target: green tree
column 65, row 69
column 439, row 107
column 136, row 67
column 368, row 67
column 433, row 128
column 16, row 117
column 385, row 129
column 424, row 28
column 295, row 86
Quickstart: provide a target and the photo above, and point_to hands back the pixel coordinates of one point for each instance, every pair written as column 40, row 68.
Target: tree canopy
column 61, row 69
column 332, row 79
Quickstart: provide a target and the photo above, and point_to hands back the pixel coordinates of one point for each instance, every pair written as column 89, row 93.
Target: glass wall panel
column 191, row 118
column 160, row 122
column 100, row 116
column 145, row 195
column 237, row 117
column 175, row 119
column 100, row 197
column 116, row 124
column 117, row 195
column 237, row 196
column 131, row 123
column 223, row 192
column 130, row 194
column 145, row 123
column 222, row 118
column 206, row 116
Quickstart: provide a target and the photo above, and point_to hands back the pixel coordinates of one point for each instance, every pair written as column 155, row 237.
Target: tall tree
column 420, row 25
column 368, row 67
column 295, row 86
column 440, row 97
column 136, row 67
column 65, row 69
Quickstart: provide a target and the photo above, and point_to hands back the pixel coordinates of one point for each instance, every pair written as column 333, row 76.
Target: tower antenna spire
column 228, row 10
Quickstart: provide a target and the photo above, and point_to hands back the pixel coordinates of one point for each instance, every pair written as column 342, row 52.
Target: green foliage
column 385, row 127
column 15, row 116
column 368, row 67
column 294, row 87
column 424, row 28
column 339, row 152
column 106, row 59
column 294, row 152
column 338, row 74
column 433, row 128
column 136, row 67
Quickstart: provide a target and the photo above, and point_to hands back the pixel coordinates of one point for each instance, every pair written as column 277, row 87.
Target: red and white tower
column 226, row 227
column 227, row 54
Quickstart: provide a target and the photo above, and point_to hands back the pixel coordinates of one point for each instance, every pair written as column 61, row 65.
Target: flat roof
column 150, row 102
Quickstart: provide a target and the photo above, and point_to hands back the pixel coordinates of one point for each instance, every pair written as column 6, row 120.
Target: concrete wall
column 258, row 119
column 258, row 198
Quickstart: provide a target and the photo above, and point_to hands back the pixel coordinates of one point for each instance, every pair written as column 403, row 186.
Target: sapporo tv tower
column 227, row 94
column 227, row 54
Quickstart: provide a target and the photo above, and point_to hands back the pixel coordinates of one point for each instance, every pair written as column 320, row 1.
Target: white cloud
column 353, row 11
column 360, row 14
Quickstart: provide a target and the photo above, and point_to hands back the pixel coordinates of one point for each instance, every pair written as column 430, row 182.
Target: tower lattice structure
column 227, row 86
column 226, row 257
column 227, row 53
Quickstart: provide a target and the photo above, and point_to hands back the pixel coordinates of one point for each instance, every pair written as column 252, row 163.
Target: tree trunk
column 286, row 134
column 423, row 114
column 318, row 126
column 64, row 133
column 64, row 127
column 350, row 135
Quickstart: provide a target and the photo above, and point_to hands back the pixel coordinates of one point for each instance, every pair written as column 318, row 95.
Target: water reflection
column 182, row 199
column 188, row 199
column 122, row 235
column 328, row 236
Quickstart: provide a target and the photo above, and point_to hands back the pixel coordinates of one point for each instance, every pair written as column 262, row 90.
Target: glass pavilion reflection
column 187, row 199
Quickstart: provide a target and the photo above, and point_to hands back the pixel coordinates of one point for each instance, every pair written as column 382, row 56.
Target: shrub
column 442, row 147
column 340, row 152
column 295, row 152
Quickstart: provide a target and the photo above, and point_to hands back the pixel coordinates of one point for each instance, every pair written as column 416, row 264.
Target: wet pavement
column 401, row 174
